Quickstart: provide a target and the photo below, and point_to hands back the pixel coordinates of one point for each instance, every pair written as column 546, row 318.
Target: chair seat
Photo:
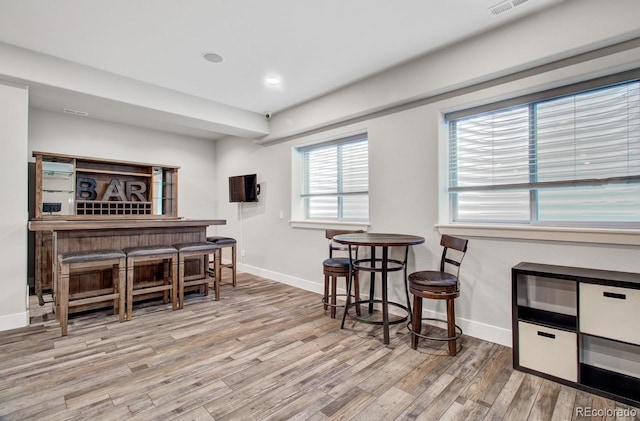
column 336, row 263
column 222, row 241
column 433, row 279
column 148, row 250
column 90, row 256
column 203, row 246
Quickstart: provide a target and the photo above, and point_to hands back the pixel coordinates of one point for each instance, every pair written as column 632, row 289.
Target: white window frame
column 298, row 198
column 584, row 234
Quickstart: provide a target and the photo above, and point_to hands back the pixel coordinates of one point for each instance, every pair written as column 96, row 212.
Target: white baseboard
column 282, row 278
column 478, row 330
column 14, row 321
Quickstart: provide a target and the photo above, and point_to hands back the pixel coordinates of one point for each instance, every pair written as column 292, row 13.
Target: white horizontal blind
column 488, row 151
column 571, row 159
column 335, row 179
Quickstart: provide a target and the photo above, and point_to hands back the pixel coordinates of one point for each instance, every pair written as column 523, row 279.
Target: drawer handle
column 615, row 295
column 546, row 335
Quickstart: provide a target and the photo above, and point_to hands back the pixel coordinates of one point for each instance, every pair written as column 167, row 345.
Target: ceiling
column 315, row 47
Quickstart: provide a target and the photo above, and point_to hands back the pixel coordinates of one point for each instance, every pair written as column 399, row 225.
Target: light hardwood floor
column 264, row 351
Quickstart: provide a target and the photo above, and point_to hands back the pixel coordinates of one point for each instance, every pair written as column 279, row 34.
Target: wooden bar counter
column 61, row 236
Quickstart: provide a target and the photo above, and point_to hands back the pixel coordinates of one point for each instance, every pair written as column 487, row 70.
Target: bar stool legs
column 169, row 283
column 200, row 251
column 225, row 242
column 90, row 261
column 331, row 275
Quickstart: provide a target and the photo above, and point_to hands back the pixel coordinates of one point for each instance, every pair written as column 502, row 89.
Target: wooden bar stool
column 200, row 250
column 84, row 262
column 439, row 285
column 148, row 255
column 338, row 267
column 225, row 242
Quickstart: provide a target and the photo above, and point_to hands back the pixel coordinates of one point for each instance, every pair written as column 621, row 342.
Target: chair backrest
column 333, row 246
column 453, row 252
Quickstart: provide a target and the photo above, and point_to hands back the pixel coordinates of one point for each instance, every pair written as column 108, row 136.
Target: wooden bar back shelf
column 74, row 187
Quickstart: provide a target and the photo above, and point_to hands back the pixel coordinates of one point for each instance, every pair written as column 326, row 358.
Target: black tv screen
column 243, row 188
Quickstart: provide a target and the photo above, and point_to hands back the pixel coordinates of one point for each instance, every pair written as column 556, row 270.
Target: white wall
column 406, row 173
column 14, row 103
column 568, row 29
column 61, row 133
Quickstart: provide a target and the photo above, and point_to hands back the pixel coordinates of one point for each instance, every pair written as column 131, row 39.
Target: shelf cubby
column 585, row 320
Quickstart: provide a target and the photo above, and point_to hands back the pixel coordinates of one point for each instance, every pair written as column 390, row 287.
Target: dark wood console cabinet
column 578, row 327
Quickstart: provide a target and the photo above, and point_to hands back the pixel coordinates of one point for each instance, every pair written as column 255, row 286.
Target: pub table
column 382, row 265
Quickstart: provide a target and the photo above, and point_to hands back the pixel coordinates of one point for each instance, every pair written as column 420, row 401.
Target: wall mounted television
column 243, row 188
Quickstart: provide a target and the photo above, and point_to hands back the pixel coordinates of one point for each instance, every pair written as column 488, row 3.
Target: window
column 335, row 179
column 570, row 159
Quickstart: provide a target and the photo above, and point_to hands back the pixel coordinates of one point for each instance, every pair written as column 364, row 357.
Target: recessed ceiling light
column 213, row 57
column 272, row 80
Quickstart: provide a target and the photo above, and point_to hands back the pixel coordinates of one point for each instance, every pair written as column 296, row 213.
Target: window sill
column 564, row 234
column 321, row 225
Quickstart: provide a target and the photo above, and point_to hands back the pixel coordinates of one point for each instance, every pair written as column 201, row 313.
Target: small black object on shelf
column 51, row 207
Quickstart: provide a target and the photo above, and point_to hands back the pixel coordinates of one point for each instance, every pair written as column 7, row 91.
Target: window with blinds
column 335, row 179
column 570, row 159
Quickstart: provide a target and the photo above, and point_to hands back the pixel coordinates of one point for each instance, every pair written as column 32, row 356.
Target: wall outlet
column 242, row 253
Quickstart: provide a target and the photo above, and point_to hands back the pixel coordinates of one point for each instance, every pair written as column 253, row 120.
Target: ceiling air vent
column 75, row 112
column 505, row 6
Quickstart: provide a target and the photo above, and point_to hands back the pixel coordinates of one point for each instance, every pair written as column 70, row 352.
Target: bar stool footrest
column 435, row 338
column 328, row 304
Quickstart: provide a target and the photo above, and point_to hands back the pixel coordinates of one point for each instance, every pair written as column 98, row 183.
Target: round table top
column 378, row 239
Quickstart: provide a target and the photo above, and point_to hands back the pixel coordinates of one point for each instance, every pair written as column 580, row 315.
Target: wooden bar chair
column 84, row 262
column 226, row 242
column 149, row 255
column 198, row 252
column 439, row 285
column 338, row 267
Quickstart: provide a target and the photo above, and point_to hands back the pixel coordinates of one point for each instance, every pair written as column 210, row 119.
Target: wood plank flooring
column 265, row 351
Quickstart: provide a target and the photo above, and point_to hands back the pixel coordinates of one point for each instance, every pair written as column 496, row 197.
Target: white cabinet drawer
column 610, row 312
column 548, row 350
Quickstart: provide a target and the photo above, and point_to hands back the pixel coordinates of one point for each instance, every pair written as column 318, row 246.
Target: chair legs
column 201, row 281
column 416, row 320
column 334, row 282
column 453, row 331
column 451, row 326
column 82, row 262
column 326, row 292
column 61, row 295
column 226, row 242
column 198, row 252
column 330, row 295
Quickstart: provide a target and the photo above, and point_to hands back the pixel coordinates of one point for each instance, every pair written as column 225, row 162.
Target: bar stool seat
column 224, row 242
column 333, row 269
column 201, row 250
column 88, row 261
column 169, row 283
